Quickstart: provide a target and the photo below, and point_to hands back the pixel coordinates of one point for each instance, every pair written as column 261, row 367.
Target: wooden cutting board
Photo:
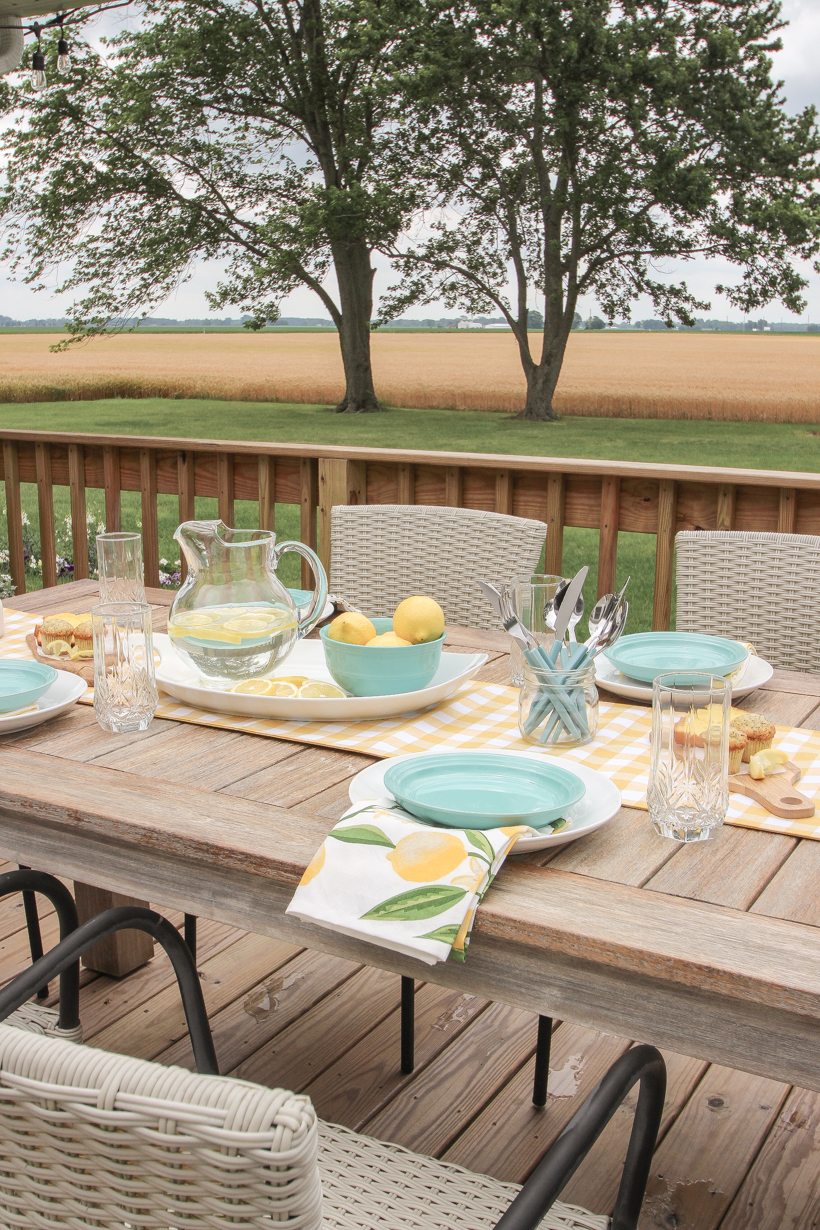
column 775, row 793
column 85, row 669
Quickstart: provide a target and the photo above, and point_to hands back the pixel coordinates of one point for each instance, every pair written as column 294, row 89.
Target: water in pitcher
column 233, row 641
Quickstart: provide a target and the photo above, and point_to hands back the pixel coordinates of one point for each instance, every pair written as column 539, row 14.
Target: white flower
column 163, row 561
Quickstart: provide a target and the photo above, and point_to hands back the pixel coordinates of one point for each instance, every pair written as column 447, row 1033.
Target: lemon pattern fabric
column 384, row 877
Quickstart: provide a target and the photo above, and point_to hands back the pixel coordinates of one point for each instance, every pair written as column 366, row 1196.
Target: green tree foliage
column 253, row 132
column 574, row 145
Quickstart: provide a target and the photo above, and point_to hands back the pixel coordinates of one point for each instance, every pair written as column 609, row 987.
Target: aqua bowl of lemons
column 386, row 657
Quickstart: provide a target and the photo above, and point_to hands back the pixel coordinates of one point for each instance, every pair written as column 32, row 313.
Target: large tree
column 576, row 145
column 248, row 131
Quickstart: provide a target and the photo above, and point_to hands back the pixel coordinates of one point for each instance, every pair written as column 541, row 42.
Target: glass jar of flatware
column 125, row 689
column 558, row 708
column 688, row 791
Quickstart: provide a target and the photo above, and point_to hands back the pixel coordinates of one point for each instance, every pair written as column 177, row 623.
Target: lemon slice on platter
column 296, row 680
column 315, row 689
column 57, row 648
column 764, row 763
column 265, row 687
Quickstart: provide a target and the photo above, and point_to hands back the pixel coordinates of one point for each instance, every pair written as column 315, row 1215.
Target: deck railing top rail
column 607, row 496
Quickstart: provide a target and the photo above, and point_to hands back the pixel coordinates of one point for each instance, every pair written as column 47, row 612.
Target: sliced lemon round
column 252, row 687
column 195, row 619
column 250, row 625
column 766, row 762
column 56, row 648
column 281, row 687
column 296, row 680
column 315, row 689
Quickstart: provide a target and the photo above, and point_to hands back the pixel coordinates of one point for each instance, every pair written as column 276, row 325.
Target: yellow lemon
column 764, row 763
column 387, row 640
column 56, row 648
column 351, row 627
column 315, row 689
column 418, row 619
column 424, row 857
column 314, row 866
column 296, row 680
column 265, row 687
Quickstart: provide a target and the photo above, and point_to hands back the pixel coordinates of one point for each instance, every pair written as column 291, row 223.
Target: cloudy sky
column 796, row 64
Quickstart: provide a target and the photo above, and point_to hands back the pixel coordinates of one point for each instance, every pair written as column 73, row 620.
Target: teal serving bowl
column 384, row 670
column 21, row 683
column 645, row 655
column 483, row 790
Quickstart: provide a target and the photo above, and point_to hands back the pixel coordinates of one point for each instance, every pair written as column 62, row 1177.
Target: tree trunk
column 354, row 275
column 543, row 377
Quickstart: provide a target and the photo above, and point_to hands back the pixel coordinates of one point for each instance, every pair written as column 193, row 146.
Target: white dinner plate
column 756, row 672
column 64, row 691
column 601, row 801
column 182, row 681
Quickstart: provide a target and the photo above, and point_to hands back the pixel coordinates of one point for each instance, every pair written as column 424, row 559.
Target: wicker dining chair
column 383, row 553
column 761, row 588
column 92, row 1139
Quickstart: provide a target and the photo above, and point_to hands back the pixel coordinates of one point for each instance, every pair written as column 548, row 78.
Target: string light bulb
column 63, row 54
column 38, row 69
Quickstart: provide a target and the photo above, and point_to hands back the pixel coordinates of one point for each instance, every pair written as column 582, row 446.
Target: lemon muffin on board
column 737, row 746
column 759, row 732
column 84, row 640
column 54, row 629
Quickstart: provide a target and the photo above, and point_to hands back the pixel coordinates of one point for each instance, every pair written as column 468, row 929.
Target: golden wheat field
column 712, row 376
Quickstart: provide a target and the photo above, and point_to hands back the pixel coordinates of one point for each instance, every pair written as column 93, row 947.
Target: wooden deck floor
column 736, row 1151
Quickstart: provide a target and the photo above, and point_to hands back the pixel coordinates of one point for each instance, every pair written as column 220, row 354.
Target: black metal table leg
column 408, row 995
column 542, row 1061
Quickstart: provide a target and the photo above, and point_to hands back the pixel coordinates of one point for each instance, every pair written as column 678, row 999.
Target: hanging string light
column 38, row 60
column 63, row 55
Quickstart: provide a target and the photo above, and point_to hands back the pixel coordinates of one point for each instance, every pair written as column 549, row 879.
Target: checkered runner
column 485, row 715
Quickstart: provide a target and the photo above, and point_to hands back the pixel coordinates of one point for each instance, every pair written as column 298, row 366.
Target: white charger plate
column 601, row 801
column 182, row 681
column 66, row 689
column 756, row 672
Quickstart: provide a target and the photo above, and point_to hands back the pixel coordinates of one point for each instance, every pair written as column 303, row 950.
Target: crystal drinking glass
column 688, row 793
column 533, row 598
column 125, row 689
column 119, row 562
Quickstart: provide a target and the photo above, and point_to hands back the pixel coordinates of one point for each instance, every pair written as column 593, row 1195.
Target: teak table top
column 711, row 950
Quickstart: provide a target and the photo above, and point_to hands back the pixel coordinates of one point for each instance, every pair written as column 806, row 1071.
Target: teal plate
column 645, row 655
column 483, row 790
column 21, row 683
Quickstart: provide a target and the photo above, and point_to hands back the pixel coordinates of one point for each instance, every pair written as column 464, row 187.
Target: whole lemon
column 351, row 627
column 418, row 619
column 388, row 640
column 424, row 857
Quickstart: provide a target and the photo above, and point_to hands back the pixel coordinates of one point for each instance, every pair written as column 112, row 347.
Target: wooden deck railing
column 605, row 495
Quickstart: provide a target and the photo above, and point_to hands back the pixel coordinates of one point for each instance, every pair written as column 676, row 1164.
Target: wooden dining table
column 711, row 950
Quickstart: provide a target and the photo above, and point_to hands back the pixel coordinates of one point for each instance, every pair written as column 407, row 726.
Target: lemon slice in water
column 195, row 619
column 250, row 625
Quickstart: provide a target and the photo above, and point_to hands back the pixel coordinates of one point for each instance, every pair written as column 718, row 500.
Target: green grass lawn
column 785, row 446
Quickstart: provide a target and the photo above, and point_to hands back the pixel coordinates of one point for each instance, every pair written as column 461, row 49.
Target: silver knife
column 568, row 604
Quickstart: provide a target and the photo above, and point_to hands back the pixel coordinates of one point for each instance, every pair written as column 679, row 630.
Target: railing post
column 453, row 486
column 787, row 512
column 79, row 528
column 554, row 554
column 504, row 491
column 224, row 487
column 14, row 515
column 608, row 535
column 341, row 481
column 267, row 492
column 150, row 527
column 186, row 479
column 309, row 499
column 45, row 505
column 664, row 554
column 407, row 484
column 113, row 488
column 726, row 500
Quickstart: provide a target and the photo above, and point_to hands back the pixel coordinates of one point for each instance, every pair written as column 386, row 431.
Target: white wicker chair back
column 763, row 588
column 91, row 1139
column 382, row 553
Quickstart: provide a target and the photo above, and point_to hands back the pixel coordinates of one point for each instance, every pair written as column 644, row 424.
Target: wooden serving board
column 775, row 793
column 85, row 669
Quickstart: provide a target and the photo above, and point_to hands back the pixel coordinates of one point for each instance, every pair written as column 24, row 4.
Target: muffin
column 759, row 732
column 737, row 746
column 54, row 629
column 84, row 640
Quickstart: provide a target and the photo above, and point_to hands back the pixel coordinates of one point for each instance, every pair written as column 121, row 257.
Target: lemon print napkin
column 382, row 876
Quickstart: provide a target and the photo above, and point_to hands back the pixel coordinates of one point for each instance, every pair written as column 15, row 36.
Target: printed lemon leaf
column 446, row 934
column 363, row 835
column 480, row 842
column 457, row 954
column 424, row 902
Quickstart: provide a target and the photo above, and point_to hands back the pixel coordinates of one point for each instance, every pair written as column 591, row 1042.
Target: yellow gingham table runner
column 486, row 715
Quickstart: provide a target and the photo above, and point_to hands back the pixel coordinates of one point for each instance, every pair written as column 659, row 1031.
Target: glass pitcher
column 233, row 619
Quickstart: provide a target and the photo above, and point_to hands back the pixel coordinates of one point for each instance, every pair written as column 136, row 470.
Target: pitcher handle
column 320, row 596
